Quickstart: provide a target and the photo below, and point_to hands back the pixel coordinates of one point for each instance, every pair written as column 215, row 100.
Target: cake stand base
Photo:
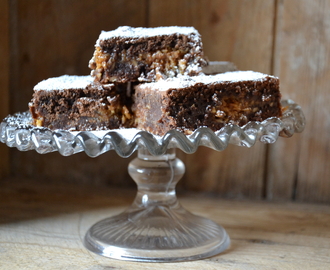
column 156, row 228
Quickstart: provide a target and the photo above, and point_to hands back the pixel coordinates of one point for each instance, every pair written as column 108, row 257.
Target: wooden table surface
column 42, row 226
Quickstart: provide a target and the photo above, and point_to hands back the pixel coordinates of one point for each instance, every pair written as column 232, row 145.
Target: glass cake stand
column 155, row 228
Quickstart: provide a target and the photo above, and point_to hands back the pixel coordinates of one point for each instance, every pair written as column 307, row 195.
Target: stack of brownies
column 152, row 79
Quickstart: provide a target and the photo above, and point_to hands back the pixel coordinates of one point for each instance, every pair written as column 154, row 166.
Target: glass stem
column 156, row 178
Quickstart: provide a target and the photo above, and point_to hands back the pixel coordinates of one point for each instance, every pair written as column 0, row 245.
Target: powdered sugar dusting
column 138, row 32
column 186, row 81
column 64, row 82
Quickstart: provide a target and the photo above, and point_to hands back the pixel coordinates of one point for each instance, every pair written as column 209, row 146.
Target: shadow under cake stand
column 155, row 228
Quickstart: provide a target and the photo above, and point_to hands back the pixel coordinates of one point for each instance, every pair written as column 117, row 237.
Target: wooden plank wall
column 299, row 167
column 4, row 80
column 288, row 38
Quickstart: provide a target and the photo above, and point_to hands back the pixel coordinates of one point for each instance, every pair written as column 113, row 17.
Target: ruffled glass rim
column 16, row 131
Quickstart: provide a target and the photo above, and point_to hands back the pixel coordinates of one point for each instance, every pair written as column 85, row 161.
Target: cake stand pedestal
column 155, row 228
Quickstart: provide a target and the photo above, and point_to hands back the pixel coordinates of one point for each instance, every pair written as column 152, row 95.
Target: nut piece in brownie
column 130, row 54
column 78, row 103
column 213, row 101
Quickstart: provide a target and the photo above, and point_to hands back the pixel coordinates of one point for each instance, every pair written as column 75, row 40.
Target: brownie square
column 130, row 54
column 78, row 103
column 213, row 101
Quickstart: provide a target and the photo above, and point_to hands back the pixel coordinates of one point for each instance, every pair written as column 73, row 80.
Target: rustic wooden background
column 287, row 38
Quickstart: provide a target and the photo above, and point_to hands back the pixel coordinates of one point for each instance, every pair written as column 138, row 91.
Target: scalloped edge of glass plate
column 16, row 131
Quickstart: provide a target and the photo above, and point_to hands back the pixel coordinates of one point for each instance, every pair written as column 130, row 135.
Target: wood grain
column 42, row 227
column 231, row 31
column 4, row 80
column 301, row 164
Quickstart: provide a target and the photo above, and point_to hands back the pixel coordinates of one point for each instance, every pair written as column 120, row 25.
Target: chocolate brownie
column 130, row 54
column 187, row 103
column 78, row 103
